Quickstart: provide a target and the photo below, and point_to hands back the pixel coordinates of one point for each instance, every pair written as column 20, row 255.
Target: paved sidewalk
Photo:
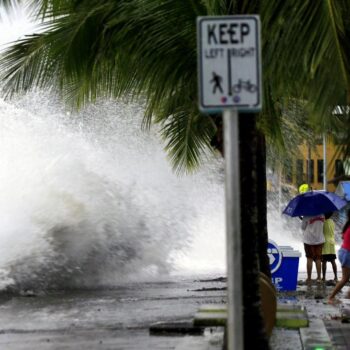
column 329, row 326
column 339, row 334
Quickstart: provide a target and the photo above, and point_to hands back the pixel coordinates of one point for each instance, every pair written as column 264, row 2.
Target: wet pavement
column 339, row 334
column 113, row 319
column 328, row 329
column 121, row 318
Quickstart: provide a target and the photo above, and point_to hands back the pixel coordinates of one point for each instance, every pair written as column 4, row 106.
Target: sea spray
column 89, row 200
column 284, row 230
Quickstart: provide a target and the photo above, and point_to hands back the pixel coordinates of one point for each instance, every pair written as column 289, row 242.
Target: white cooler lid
column 291, row 253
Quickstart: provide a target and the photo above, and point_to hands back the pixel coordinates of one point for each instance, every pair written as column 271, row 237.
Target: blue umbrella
column 343, row 190
column 314, row 203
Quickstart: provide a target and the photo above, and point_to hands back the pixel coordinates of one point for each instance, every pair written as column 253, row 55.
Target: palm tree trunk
column 251, row 179
column 264, row 262
column 253, row 219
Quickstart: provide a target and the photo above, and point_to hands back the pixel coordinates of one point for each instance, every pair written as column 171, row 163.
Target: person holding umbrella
column 344, row 258
column 311, row 205
column 313, row 239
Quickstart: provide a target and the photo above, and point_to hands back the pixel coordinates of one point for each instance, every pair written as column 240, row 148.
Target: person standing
column 313, row 239
column 344, row 258
column 328, row 250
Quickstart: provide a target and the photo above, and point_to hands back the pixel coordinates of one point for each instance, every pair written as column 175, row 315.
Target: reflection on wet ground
column 112, row 319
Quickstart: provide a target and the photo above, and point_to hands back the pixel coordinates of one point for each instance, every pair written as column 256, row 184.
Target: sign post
column 229, row 71
column 233, row 232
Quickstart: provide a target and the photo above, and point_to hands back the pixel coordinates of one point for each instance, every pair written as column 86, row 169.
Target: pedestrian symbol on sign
column 217, row 80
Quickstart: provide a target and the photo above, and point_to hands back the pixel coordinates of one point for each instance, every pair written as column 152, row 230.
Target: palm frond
column 26, row 64
column 147, row 49
column 304, row 56
column 188, row 136
column 8, row 4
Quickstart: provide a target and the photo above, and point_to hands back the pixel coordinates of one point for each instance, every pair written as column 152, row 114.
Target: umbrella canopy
column 343, row 190
column 314, row 203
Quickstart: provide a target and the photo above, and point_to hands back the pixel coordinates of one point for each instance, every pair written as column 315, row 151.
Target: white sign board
column 229, row 63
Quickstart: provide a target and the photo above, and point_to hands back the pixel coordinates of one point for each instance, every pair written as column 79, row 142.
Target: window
column 299, row 171
column 320, row 170
column 339, row 168
column 311, row 169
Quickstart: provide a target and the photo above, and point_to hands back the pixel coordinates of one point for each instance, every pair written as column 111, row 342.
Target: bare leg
column 324, row 268
column 309, row 263
column 318, row 269
column 345, row 277
column 334, row 265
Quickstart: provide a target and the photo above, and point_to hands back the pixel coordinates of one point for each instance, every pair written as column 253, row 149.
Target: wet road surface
column 107, row 319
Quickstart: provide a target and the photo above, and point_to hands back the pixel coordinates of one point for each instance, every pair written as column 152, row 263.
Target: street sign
column 229, row 63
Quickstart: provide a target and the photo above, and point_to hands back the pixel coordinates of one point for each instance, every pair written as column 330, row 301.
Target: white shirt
column 313, row 229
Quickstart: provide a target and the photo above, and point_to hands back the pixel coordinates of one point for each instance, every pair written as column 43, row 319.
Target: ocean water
column 89, row 200
column 99, row 238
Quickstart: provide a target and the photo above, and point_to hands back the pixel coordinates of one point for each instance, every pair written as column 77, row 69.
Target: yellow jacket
column 328, row 231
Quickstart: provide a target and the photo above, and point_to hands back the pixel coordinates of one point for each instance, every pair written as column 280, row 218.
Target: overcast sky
column 14, row 25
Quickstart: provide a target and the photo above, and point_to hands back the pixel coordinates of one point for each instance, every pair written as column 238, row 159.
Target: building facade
column 308, row 167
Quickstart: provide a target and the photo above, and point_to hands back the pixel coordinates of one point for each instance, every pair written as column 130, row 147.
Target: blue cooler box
column 285, row 272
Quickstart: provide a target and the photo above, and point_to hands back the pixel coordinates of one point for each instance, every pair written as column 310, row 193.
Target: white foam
column 89, row 199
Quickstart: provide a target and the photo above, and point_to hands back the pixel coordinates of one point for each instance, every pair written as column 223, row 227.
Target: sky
column 14, row 25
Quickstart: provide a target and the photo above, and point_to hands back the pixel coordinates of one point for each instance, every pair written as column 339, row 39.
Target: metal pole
column 309, row 165
column 233, row 232
column 325, row 162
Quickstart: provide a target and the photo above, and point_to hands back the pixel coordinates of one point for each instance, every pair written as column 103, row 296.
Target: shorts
column 328, row 257
column 344, row 257
column 313, row 252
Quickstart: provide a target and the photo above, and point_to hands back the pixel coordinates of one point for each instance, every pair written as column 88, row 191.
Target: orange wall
column 317, row 154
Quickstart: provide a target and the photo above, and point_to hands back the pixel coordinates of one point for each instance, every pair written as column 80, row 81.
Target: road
column 103, row 319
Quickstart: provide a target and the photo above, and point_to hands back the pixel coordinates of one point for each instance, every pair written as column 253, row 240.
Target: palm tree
column 147, row 49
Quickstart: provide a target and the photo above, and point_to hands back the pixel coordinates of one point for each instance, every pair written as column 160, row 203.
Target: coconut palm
column 146, row 49
column 141, row 49
column 86, row 43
